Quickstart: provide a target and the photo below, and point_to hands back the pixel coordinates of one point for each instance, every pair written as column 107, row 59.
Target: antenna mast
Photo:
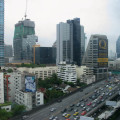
column 26, row 9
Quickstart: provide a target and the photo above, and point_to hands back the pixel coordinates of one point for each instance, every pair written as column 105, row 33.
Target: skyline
column 104, row 14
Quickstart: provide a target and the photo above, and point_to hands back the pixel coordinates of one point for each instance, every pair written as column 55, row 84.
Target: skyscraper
column 118, row 47
column 75, row 36
column 24, row 39
column 70, row 42
column 1, row 32
column 96, row 55
column 8, row 51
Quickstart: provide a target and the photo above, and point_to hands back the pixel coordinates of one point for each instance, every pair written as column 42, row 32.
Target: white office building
column 29, row 99
column 64, row 44
column 1, row 88
column 67, row 72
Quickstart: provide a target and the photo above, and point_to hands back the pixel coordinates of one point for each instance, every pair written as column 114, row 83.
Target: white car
column 52, row 109
column 64, row 114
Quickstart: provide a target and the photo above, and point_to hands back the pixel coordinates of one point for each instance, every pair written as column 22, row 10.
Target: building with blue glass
column 1, row 32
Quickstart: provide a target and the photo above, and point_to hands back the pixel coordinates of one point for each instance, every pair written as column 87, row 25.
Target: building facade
column 24, row 39
column 1, row 32
column 44, row 55
column 67, row 72
column 96, row 56
column 29, row 99
column 118, row 47
column 8, row 51
column 1, row 88
column 12, row 82
column 40, row 72
column 70, row 41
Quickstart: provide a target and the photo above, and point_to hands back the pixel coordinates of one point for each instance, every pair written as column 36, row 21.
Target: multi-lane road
column 45, row 114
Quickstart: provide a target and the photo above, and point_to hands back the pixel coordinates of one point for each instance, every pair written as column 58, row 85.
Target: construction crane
column 26, row 9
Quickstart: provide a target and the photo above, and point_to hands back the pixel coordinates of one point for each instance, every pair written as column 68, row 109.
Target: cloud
column 97, row 16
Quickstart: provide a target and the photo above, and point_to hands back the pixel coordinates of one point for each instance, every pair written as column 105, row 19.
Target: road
column 45, row 113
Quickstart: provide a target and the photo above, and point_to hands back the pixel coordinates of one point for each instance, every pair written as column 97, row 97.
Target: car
column 93, row 105
column 76, row 113
column 83, row 113
column 68, row 119
column 52, row 109
column 89, row 103
column 59, row 100
column 82, row 105
column 24, row 117
column 51, row 118
column 85, row 100
column 55, row 118
column 84, row 108
column 88, row 109
column 64, row 114
column 76, row 110
column 81, row 100
column 71, row 105
column 70, row 109
column 78, row 104
column 64, row 110
column 67, row 116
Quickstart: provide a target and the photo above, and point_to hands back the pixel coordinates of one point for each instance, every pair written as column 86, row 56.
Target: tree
column 4, row 115
column 18, row 109
column 9, row 70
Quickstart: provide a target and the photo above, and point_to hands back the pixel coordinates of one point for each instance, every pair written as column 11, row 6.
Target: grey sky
column 97, row 16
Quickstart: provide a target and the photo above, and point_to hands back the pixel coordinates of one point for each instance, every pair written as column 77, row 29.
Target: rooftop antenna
column 26, row 9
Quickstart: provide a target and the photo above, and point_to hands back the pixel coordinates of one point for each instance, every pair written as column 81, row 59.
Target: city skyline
column 47, row 14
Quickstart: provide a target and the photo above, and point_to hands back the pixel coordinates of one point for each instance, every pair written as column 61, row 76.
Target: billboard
column 86, row 118
column 30, row 84
column 111, row 103
column 103, row 53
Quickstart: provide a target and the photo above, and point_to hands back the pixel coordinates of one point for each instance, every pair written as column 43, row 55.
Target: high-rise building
column 44, row 55
column 1, row 88
column 75, row 36
column 8, row 51
column 1, row 32
column 70, row 41
column 96, row 56
column 82, row 42
column 24, row 39
column 118, row 47
column 64, row 45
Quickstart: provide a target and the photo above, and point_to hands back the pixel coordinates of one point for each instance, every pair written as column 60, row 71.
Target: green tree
column 4, row 115
column 18, row 109
column 9, row 70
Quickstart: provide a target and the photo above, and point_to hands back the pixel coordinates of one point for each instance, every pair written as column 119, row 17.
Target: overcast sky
column 97, row 16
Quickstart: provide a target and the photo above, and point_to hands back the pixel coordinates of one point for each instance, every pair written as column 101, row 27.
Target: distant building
column 24, row 39
column 44, row 55
column 96, row 56
column 67, row 72
column 8, row 51
column 70, row 42
column 28, row 99
column 85, row 74
column 1, row 88
column 2, row 33
column 118, row 47
column 40, row 72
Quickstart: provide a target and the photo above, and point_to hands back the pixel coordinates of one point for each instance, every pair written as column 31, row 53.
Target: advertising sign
column 86, row 118
column 30, row 85
column 103, row 53
column 111, row 103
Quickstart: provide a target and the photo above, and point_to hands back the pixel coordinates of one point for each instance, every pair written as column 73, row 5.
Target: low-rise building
column 1, row 88
column 67, row 72
column 6, row 106
column 40, row 72
column 29, row 99
column 12, row 82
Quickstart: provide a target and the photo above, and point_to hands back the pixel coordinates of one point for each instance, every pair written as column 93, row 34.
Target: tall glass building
column 1, row 32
